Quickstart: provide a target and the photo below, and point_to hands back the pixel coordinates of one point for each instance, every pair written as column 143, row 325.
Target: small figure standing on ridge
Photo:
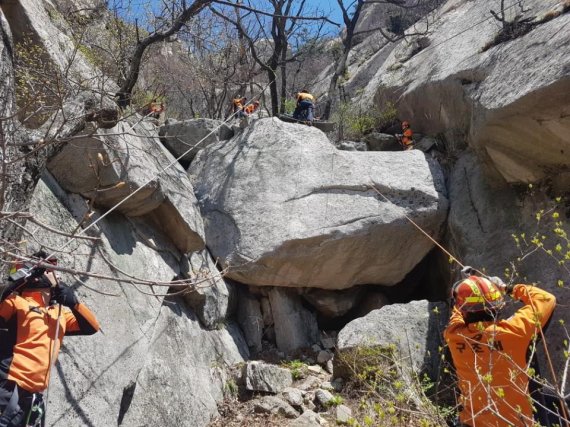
column 406, row 137
column 305, row 106
column 251, row 108
column 238, row 106
column 490, row 353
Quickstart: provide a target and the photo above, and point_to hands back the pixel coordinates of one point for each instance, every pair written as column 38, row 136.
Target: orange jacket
column 304, row 96
column 25, row 357
column 407, row 137
column 156, row 107
column 490, row 361
column 238, row 103
column 251, row 108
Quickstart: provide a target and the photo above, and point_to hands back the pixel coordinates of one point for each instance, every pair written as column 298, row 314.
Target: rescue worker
column 238, row 106
column 156, row 108
column 305, row 106
column 490, row 354
column 251, row 108
column 406, row 137
column 28, row 315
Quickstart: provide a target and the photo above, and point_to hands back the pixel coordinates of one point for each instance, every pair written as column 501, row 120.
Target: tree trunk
column 340, row 67
column 273, row 91
column 283, row 78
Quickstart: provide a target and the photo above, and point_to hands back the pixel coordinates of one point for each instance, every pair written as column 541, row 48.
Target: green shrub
column 290, row 105
column 296, row 367
column 355, row 121
column 387, row 395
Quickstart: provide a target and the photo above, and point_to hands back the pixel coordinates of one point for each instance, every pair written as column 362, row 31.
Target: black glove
column 64, row 295
column 37, row 272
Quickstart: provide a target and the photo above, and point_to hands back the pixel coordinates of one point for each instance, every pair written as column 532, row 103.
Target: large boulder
column 137, row 370
column 212, row 299
column 250, row 318
column 189, row 136
column 283, row 207
column 334, row 303
column 260, row 376
column 126, row 167
column 411, row 331
column 44, row 26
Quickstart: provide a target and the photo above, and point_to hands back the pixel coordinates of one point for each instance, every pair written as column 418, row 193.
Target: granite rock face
column 509, row 102
column 124, row 166
column 283, row 207
column 137, row 362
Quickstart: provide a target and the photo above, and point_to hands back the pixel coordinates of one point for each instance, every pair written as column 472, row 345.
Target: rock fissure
column 472, row 201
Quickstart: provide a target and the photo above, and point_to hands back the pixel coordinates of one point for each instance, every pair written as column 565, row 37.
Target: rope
column 113, row 208
column 451, row 257
column 159, row 173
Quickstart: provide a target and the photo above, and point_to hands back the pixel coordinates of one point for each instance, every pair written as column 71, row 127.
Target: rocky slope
column 501, row 116
column 295, row 223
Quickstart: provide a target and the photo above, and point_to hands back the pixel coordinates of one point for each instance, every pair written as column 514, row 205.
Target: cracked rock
column 283, row 207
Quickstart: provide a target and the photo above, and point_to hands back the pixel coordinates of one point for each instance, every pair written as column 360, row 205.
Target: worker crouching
column 29, row 313
column 490, row 354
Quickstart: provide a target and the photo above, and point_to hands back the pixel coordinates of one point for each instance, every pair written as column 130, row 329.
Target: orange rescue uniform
column 407, row 140
column 251, row 108
column 490, row 360
column 238, row 103
column 32, row 325
column 304, row 96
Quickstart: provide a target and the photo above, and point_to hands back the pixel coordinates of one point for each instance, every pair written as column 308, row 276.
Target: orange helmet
column 476, row 294
column 405, row 124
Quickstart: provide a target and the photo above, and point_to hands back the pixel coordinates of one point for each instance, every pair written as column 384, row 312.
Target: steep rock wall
column 152, row 353
column 510, row 102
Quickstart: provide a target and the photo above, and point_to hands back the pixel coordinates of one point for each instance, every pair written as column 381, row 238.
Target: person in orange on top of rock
column 251, row 108
column 238, row 104
column 490, row 354
column 304, row 110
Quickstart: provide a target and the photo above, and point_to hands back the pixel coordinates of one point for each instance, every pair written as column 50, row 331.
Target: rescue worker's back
column 490, row 361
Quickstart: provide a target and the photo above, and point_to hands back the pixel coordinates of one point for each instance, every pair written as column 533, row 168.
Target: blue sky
column 328, row 7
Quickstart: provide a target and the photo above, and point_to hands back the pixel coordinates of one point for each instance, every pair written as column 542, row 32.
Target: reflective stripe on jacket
column 25, row 357
column 490, row 361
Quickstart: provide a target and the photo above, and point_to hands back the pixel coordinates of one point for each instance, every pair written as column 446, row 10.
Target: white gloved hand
column 467, row 271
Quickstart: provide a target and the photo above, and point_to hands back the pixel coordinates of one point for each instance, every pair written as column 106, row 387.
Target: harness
column 33, row 417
